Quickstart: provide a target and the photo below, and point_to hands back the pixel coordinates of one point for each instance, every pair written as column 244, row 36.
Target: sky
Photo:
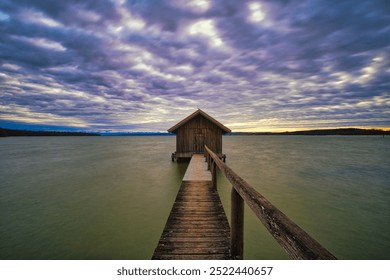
column 144, row 65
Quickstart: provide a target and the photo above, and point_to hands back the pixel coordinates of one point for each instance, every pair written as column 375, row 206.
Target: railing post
column 214, row 173
column 237, row 225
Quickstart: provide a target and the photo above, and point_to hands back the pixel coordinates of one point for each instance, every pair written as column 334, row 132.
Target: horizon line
column 385, row 129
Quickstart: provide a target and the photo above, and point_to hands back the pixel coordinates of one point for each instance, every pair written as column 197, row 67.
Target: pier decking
column 197, row 227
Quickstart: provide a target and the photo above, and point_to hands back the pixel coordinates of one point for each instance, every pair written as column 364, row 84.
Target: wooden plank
column 197, row 169
column 167, row 256
column 193, row 233
column 219, row 245
column 180, row 240
column 196, row 251
column 179, row 155
column 203, row 224
column 197, row 227
column 237, row 230
column 190, row 230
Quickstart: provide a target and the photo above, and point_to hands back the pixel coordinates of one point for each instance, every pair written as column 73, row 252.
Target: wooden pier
column 197, row 227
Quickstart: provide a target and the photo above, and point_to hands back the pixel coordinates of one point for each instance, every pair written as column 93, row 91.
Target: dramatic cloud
column 143, row 65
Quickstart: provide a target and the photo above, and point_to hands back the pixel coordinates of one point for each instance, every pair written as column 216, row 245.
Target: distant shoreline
column 324, row 132
column 4, row 132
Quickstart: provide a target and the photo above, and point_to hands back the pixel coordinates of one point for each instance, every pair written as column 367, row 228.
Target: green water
column 109, row 197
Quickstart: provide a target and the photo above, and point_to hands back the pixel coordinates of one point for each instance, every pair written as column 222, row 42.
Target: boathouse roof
column 174, row 128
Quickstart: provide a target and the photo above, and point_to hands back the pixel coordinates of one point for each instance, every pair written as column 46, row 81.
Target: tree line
column 5, row 132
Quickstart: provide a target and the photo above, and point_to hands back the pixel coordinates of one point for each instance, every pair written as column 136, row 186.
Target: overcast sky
column 270, row 65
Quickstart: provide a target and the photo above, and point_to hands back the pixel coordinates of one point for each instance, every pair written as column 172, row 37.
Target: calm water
column 109, row 197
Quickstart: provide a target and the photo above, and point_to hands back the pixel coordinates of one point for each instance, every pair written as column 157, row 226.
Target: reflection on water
column 109, row 197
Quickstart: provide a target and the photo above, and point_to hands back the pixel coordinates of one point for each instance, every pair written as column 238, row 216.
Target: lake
column 109, row 197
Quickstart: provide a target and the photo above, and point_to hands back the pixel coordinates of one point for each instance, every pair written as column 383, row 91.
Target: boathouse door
column 199, row 143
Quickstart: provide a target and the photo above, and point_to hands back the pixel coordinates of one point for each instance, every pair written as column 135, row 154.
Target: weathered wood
column 196, row 131
column 197, row 170
column 191, row 257
column 295, row 241
column 237, row 225
column 214, row 174
column 181, row 155
column 196, row 232
column 187, row 156
column 197, row 227
column 193, row 135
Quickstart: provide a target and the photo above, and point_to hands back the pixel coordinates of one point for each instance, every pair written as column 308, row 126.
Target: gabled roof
column 193, row 115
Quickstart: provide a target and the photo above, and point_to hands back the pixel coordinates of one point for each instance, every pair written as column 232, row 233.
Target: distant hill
column 4, row 132
column 319, row 132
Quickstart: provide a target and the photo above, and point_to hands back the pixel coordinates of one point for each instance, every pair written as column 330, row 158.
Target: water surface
column 109, row 197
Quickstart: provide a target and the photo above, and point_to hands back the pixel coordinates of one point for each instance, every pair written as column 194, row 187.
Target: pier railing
column 294, row 240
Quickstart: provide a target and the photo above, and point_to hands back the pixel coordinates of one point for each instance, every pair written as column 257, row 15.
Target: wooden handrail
column 294, row 240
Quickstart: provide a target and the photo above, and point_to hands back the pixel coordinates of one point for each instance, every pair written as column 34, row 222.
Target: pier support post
column 214, row 173
column 237, row 225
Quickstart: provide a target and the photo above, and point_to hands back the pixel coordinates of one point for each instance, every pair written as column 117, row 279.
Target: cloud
column 144, row 65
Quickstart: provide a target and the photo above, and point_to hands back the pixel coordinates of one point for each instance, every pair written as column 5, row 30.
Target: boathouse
column 196, row 131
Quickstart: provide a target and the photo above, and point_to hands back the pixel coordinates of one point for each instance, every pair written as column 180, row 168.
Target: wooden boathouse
column 197, row 226
column 196, row 131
